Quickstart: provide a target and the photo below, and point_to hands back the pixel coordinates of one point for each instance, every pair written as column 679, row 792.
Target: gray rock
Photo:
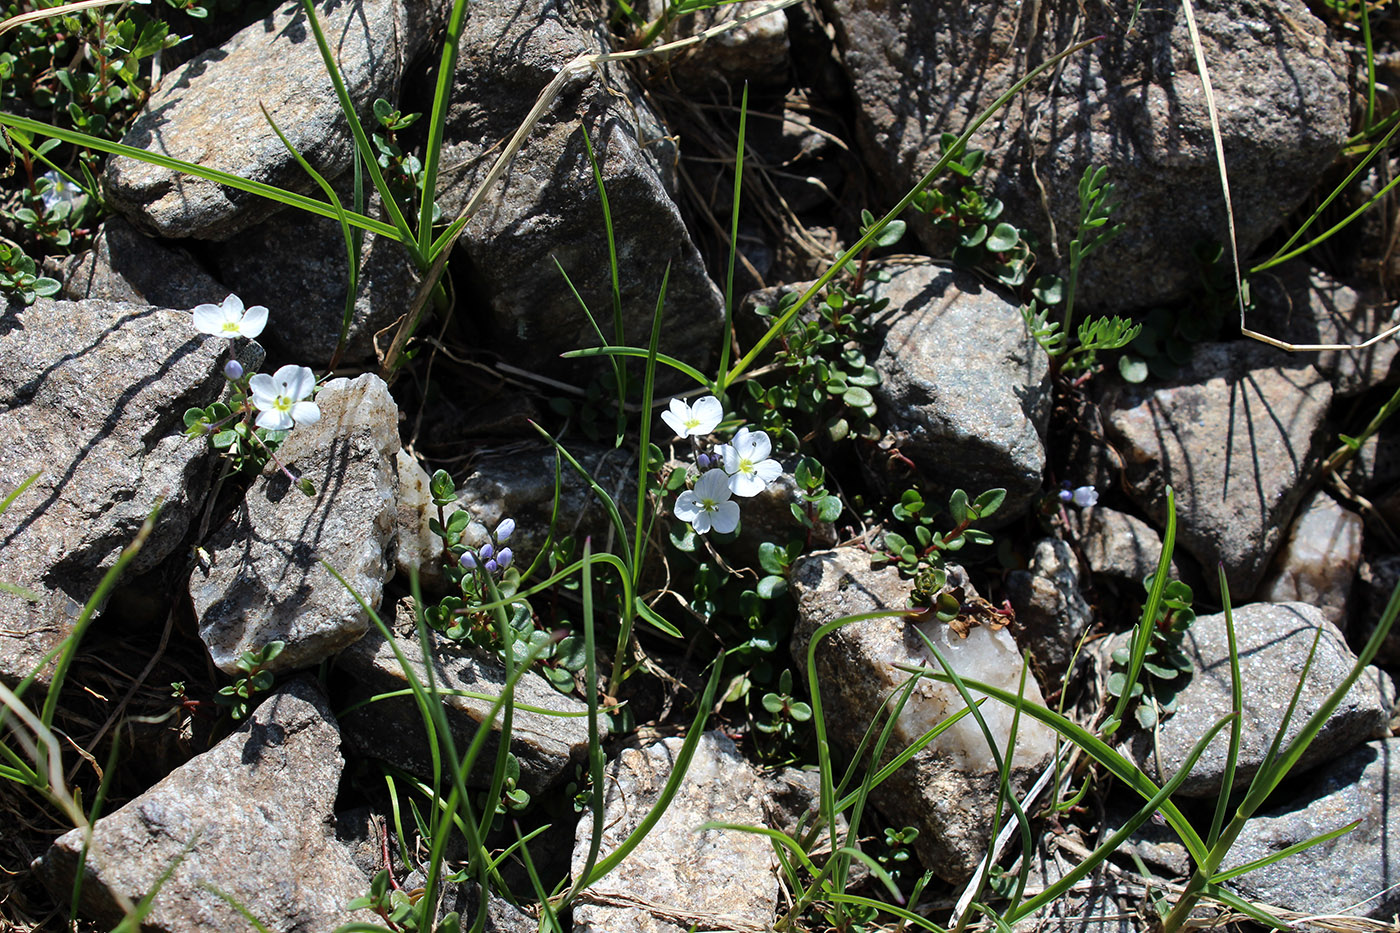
column 295, row 264
column 679, row 879
column 1100, row 903
column 1237, row 436
column 92, row 397
column 1273, row 640
column 208, row 113
column 1118, row 545
column 1317, row 564
column 1353, row 874
column 964, row 390
column 265, row 580
column 419, row 551
column 520, row 485
column 947, row 788
column 125, row 265
column 1051, row 613
column 1133, row 102
column 1307, row 306
column 392, row 729
column 546, row 209
column 251, row 818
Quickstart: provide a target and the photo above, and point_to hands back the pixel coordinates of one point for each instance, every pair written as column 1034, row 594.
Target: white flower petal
column 725, row 518
column 275, row 420
column 297, row 382
column 232, row 307
column 759, row 446
column 768, row 470
column 742, row 484
column 263, row 390
column 254, row 320
column 707, row 412
column 208, row 319
column 712, row 487
column 687, row 506
column 702, row 522
column 306, row 413
column 675, row 422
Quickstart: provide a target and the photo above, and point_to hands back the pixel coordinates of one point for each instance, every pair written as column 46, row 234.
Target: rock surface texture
column 1353, row 874
column 1051, row 615
column 1318, row 562
column 252, row 818
column 1273, row 641
column 545, row 209
column 679, row 879
column 1133, row 102
column 92, row 397
column 1237, row 436
column 392, row 730
column 265, row 581
column 947, row 788
column 973, row 417
column 208, row 113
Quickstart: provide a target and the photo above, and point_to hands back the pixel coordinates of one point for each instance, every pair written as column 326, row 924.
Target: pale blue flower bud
column 702, row 461
column 492, row 566
column 505, row 529
column 233, row 370
column 1066, row 495
column 468, row 561
column 504, row 558
column 1085, row 497
column 487, row 551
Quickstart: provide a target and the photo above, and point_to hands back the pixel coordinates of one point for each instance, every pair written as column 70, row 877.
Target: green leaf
column 989, row 502
column 1132, row 369
column 828, row 508
column 771, row 587
column 957, row 506
column 1003, row 238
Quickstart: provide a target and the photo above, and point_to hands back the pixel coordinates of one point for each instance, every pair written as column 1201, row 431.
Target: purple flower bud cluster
column 488, row 557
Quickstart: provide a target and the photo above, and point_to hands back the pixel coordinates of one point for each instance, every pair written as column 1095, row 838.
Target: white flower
column 708, row 505
column 746, row 461
column 279, row 398
column 694, row 420
column 1085, row 496
column 229, row 319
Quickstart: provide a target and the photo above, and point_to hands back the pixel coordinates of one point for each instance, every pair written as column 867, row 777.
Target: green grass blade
column 1142, row 634
column 1282, row 854
column 596, row 758
column 363, row 146
column 1227, row 782
column 1235, row 902
column 615, row 277
column 437, row 122
column 728, row 337
column 670, row 361
column 19, row 491
column 280, row 195
column 908, row 916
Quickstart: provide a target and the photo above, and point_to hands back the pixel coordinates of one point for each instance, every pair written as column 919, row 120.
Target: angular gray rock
column 1051, row 613
column 964, row 391
column 1307, row 306
column 126, row 265
column 208, row 113
column 679, row 879
column 392, row 729
column 1273, row 640
column 947, row 788
column 1118, row 545
column 419, row 551
column 265, row 580
column 1237, row 436
column 295, row 264
column 755, row 52
column 252, row 818
column 1317, row 564
column 545, row 209
column 1132, row 102
column 1353, row 874
column 92, row 397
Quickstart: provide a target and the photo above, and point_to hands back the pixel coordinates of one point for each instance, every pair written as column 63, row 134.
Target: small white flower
column 747, row 463
column 694, row 420
column 279, row 398
column 230, row 319
column 1085, row 496
column 708, row 506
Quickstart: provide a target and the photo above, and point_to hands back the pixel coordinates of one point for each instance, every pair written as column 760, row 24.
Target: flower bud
column 702, row 461
column 468, row 560
column 505, row 529
column 1085, row 496
column 487, row 551
column 492, row 566
column 505, row 557
column 1066, row 495
column 233, row 370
